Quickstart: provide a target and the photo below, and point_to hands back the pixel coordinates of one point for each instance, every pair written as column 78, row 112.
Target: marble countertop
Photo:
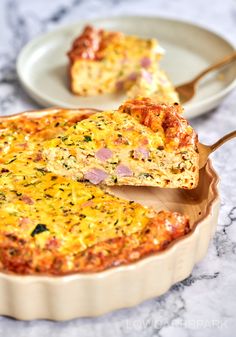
column 205, row 303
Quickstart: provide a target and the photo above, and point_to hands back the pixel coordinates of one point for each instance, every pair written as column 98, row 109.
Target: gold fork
column 206, row 150
column 187, row 90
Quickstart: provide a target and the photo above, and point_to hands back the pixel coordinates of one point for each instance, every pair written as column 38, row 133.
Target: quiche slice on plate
column 142, row 144
column 155, row 85
column 112, row 62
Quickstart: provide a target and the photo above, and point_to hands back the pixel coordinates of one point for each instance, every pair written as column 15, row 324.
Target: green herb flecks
column 87, row 139
column 40, row 228
column 41, row 170
column 11, row 161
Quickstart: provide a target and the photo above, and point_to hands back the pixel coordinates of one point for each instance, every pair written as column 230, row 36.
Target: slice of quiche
column 110, row 62
column 142, row 143
column 154, row 85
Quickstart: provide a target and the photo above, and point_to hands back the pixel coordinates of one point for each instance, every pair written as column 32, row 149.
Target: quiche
column 141, row 143
column 155, row 85
column 51, row 224
column 109, row 62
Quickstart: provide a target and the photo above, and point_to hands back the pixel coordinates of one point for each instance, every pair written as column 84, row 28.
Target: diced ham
column 125, row 60
column 87, row 203
column 27, row 200
column 52, row 243
column 123, row 171
column 146, row 76
column 144, row 141
column 141, row 153
column 133, row 76
column 145, row 62
column 103, row 154
column 24, row 221
column 23, row 145
column 163, row 81
column 120, row 140
column 119, row 85
column 38, row 156
column 95, row 176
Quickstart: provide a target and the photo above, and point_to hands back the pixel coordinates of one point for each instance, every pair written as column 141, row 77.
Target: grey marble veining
column 205, row 303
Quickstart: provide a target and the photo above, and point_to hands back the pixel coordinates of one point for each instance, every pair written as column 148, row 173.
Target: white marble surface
column 205, row 303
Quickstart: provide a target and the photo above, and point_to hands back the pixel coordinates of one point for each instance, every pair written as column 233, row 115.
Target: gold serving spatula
column 206, row 150
column 187, row 90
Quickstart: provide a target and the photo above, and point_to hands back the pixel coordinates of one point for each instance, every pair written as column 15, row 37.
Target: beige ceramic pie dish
column 79, row 295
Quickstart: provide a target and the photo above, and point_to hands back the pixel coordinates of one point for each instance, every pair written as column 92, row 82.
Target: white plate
column 42, row 64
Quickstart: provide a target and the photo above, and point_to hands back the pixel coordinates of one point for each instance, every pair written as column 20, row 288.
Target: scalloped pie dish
column 58, row 260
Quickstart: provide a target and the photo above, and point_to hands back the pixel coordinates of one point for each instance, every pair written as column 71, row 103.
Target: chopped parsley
column 40, row 228
column 11, row 161
column 2, row 196
column 41, row 170
column 64, row 138
column 146, row 175
column 92, row 197
column 87, row 139
column 48, row 196
column 19, row 194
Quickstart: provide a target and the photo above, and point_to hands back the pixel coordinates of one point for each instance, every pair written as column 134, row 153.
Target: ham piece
column 103, row 154
column 123, row 171
column 95, row 175
column 145, row 62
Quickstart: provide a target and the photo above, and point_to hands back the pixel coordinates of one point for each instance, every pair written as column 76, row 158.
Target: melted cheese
column 112, row 129
column 70, row 215
column 75, row 215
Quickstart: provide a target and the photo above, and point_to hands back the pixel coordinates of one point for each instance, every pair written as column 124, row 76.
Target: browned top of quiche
column 55, row 225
